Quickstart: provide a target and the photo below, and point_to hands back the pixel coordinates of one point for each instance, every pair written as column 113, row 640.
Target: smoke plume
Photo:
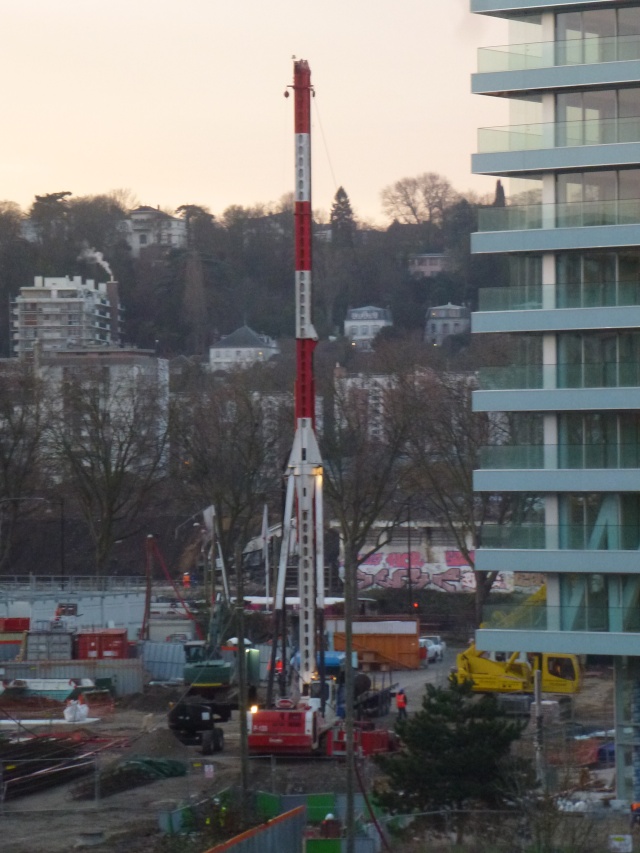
column 91, row 256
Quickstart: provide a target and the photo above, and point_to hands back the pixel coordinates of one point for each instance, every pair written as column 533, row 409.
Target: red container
column 114, row 643
column 16, row 623
column 103, row 644
column 88, row 645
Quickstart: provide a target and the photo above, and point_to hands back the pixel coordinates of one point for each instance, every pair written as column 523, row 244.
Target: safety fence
column 284, row 832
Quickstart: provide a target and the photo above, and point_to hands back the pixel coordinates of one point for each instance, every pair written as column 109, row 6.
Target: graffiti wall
column 445, row 570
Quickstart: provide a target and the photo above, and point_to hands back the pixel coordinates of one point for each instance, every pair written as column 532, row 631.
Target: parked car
column 436, row 646
column 430, row 648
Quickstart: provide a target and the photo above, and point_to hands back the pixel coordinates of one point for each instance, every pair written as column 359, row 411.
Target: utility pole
column 409, row 579
column 62, row 543
column 242, row 681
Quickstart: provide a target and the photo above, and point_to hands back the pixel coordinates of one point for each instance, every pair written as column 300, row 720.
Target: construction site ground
column 53, row 822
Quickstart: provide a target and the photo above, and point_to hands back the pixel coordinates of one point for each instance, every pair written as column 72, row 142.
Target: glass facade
column 564, row 97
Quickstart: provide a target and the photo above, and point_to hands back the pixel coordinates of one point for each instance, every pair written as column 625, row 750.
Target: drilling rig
column 298, row 722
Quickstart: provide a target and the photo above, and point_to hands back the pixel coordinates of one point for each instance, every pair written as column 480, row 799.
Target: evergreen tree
column 343, row 224
column 454, row 755
column 499, row 199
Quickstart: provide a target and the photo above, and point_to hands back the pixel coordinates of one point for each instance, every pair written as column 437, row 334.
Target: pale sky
column 181, row 101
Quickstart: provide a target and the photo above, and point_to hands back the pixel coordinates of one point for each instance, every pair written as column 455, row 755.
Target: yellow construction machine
column 515, row 673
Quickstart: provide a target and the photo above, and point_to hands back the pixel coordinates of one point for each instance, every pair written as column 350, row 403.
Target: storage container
column 102, row 644
column 49, row 645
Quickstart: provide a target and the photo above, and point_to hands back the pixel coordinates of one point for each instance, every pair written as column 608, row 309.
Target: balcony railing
column 597, row 374
column 561, row 134
column 564, row 295
column 538, row 536
column 548, row 54
column 531, row 617
column 540, row 617
column 580, row 456
column 524, row 217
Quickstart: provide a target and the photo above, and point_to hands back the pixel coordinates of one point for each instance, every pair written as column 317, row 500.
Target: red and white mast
column 305, row 463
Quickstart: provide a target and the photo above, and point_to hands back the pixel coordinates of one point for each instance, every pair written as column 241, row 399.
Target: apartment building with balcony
column 570, row 238
column 63, row 312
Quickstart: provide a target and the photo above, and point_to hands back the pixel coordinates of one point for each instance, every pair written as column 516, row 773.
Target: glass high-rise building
column 565, row 385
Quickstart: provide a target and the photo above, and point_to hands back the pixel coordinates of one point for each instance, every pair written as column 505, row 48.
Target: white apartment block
column 364, row 395
column 63, row 312
column 132, row 385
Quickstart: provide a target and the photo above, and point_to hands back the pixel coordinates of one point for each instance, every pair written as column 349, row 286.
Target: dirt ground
column 54, row 822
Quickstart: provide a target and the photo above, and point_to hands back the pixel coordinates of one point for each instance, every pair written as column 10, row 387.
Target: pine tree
column 499, row 199
column 454, row 755
column 343, row 224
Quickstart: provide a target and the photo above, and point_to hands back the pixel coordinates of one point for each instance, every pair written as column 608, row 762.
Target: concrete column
column 553, row 603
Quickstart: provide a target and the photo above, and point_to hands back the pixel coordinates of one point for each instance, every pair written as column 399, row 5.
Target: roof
column 243, row 337
column 369, row 312
column 145, row 208
column 449, row 305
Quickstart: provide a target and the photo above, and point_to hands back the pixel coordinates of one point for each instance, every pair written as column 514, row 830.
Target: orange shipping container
column 398, row 651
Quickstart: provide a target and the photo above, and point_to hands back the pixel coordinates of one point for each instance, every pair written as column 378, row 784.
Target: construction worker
column 186, row 580
column 401, row 704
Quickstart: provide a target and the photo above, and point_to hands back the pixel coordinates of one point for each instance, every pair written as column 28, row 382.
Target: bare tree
column 423, row 198
column 107, row 441
column 21, row 426
column 232, row 437
column 444, row 448
column 363, row 471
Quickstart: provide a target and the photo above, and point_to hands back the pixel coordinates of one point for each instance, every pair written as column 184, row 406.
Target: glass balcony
column 530, row 617
column 581, row 456
column 581, row 617
column 523, row 217
column 564, row 295
column 549, row 54
column 533, row 137
column 573, row 537
column 511, row 298
column 520, row 217
column 600, row 374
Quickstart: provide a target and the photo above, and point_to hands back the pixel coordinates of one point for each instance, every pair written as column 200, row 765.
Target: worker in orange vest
column 401, row 704
column 186, row 580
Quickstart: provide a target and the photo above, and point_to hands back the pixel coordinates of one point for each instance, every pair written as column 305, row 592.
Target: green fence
column 318, row 805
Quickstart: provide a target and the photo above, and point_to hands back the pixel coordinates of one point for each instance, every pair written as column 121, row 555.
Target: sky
column 181, row 101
